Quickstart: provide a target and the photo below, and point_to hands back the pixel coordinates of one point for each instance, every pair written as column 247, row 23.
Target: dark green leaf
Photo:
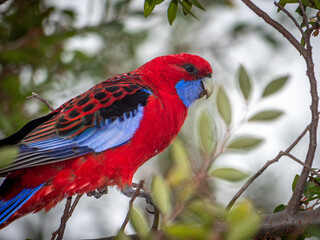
column 309, row 194
column 280, row 208
column 275, row 86
column 148, row 7
column 244, row 82
column 7, row 155
column 266, row 115
column 294, row 183
column 229, row 174
column 244, row 143
column 223, row 105
column 315, row 189
column 172, row 11
column 186, row 6
column 159, row 1
column 198, row 4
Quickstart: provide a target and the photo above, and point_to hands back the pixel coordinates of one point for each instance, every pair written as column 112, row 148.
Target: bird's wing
column 104, row 117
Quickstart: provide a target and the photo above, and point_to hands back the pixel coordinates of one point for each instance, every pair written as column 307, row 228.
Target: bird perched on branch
column 101, row 137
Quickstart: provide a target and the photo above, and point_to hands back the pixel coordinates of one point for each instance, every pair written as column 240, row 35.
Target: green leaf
column 172, row 11
column 159, row 1
column 314, row 189
column 307, row 193
column 160, row 193
column 245, row 229
column 206, row 132
column 139, row 223
column 229, row 174
column 244, row 143
column 198, row 4
column 244, row 82
column 7, row 155
column 266, row 115
column 280, row 208
column 181, row 169
column 122, row 236
column 223, row 105
column 186, row 6
column 148, row 7
column 294, row 183
column 187, row 10
column 187, row 231
column 244, row 221
column 275, row 86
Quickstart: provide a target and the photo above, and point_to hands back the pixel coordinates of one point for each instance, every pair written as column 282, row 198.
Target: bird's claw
column 98, row 193
column 129, row 191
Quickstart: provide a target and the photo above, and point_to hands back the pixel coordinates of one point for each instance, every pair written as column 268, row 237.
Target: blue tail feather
column 8, row 208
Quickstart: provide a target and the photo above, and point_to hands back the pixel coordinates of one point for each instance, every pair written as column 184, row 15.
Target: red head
column 182, row 74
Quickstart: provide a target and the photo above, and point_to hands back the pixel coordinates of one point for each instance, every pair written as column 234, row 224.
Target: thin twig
column 301, row 163
column 60, row 231
column 37, row 96
column 264, row 167
column 294, row 202
column 304, row 16
column 67, row 213
column 134, row 196
column 290, row 16
column 156, row 219
column 276, row 25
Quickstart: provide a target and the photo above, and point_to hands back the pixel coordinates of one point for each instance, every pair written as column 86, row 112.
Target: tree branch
column 68, row 210
column 134, row 196
column 290, row 16
column 283, row 223
column 37, row 96
column 294, row 202
column 264, row 167
column 276, row 26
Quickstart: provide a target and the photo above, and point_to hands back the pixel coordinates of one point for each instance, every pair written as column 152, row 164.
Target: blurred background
column 59, row 49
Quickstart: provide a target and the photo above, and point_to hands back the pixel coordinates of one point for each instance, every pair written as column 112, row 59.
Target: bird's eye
column 190, row 68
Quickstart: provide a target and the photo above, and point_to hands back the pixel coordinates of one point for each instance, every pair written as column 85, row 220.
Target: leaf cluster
column 185, row 5
column 185, row 196
column 35, row 54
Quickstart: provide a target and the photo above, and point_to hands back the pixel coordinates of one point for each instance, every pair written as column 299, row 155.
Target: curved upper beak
column 207, row 85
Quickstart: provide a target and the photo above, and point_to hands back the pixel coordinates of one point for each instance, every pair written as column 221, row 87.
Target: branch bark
column 283, row 223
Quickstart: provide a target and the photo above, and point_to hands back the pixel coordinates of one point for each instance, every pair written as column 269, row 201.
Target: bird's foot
column 129, row 191
column 98, row 193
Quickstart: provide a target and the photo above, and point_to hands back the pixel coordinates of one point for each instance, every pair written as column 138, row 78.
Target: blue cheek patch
column 189, row 91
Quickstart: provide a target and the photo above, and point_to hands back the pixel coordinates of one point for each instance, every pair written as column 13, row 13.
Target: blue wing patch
column 104, row 135
column 8, row 208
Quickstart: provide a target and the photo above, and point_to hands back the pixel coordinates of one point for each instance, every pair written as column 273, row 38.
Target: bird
column 101, row 137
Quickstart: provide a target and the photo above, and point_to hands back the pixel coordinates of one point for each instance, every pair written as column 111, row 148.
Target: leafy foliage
column 34, row 54
column 185, row 196
column 172, row 10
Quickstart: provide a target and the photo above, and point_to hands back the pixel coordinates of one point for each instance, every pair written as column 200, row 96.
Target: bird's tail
column 11, row 206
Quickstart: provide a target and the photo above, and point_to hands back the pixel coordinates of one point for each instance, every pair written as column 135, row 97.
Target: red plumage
column 162, row 117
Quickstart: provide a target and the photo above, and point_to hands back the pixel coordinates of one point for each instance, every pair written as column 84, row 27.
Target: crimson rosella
column 101, row 137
